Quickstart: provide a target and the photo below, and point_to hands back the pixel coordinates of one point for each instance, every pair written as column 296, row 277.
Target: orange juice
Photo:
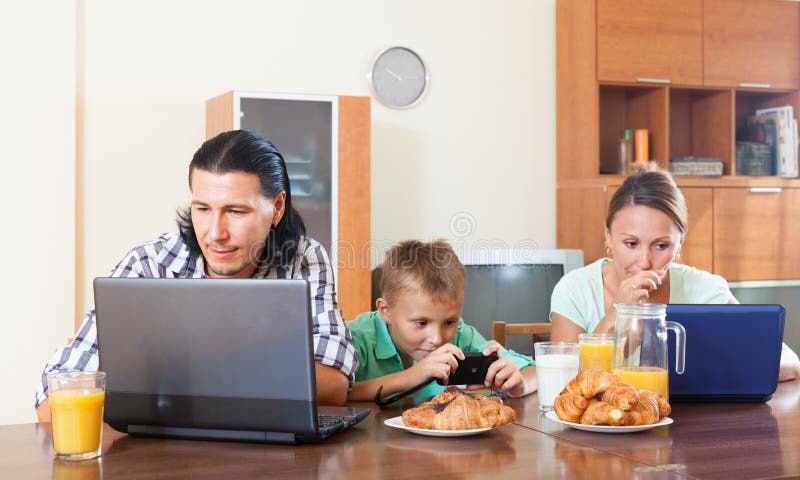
column 77, row 419
column 648, row 378
column 597, row 355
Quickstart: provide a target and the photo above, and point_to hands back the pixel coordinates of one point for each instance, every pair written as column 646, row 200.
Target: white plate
column 397, row 422
column 551, row 415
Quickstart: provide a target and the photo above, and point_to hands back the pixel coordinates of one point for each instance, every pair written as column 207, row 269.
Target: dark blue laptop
column 733, row 352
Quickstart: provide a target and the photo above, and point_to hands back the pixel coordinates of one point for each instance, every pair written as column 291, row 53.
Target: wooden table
column 705, row 441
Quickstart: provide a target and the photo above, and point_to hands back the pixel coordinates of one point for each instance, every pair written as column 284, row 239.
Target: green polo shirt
column 377, row 355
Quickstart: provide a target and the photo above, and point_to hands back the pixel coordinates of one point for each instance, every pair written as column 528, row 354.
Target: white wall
column 478, row 152
column 37, row 131
column 481, row 143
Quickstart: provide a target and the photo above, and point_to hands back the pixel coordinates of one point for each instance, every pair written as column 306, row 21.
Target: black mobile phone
column 472, row 370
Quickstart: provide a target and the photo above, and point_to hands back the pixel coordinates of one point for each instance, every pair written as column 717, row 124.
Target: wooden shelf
column 725, row 181
column 701, row 125
column 633, row 107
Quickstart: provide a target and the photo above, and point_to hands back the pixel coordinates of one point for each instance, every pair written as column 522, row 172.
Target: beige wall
column 37, row 130
column 482, row 142
column 477, row 154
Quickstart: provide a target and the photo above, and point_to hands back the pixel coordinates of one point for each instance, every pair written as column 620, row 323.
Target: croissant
column 664, row 407
column 644, row 412
column 589, row 383
column 622, row 395
column 453, row 409
column 570, row 407
column 595, row 397
column 602, row 413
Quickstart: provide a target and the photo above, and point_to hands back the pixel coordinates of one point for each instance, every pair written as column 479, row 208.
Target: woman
column 645, row 230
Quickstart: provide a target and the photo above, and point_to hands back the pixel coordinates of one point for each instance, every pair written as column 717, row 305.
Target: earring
column 677, row 256
column 609, row 252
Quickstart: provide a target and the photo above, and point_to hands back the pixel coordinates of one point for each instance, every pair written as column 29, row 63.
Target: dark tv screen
column 511, row 294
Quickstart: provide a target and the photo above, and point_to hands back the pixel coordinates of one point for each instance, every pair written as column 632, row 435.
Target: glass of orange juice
column 596, row 351
column 76, row 408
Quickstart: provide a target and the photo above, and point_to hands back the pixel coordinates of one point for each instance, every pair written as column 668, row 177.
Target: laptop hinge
column 211, row 434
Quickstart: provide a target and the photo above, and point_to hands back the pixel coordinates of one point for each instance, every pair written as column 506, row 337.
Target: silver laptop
column 211, row 358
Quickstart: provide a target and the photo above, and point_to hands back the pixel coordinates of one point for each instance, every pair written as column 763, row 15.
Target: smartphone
column 472, row 370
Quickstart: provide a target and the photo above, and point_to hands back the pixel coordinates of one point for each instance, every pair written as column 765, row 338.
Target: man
column 240, row 224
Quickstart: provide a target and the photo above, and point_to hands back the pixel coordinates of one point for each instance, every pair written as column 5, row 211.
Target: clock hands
column 390, row 72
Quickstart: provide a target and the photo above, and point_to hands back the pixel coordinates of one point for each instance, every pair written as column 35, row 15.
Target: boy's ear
column 383, row 309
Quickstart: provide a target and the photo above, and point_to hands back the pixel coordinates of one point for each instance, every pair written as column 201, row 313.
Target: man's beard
column 229, row 271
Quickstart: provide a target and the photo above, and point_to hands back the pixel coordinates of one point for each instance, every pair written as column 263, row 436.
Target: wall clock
column 398, row 77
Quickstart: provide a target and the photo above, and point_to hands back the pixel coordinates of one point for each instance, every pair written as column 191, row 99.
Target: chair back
column 539, row 332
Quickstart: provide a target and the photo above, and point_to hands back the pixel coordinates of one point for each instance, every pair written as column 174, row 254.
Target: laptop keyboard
column 330, row 424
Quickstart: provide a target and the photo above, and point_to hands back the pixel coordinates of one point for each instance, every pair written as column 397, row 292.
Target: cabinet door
column 330, row 186
column 581, row 218
column 697, row 246
column 751, row 42
column 755, row 234
column 650, row 39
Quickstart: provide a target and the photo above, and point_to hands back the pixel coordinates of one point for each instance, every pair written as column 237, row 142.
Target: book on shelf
column 761, row 129
column 786, row 148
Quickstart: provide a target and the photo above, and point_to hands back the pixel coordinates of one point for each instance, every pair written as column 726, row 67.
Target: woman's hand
column 438, row 364
column 637, row 289
column 502, row 375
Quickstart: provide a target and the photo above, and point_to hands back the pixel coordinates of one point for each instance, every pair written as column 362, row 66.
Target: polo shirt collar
column 384, row 347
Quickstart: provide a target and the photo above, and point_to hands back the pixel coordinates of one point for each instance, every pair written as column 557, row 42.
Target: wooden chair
column 500, row 330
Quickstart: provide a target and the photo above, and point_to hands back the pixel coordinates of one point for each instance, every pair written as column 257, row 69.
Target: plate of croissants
column 598, row 401
column 454, row 412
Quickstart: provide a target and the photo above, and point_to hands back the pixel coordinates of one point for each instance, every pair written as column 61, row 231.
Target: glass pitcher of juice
column 640, row 346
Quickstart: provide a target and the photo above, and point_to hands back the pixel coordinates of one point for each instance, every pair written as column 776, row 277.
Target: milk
column 553, row 372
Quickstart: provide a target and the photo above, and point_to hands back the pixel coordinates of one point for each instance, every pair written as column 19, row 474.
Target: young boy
column 416, row 333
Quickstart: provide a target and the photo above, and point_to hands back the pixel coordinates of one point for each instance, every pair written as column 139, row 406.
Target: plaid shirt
column 169, row 257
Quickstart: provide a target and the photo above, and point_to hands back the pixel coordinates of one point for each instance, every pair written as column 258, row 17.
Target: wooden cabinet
column 751, row 43
column 697, row 246
column 601, row 47
column 642, row 40
column 756, row 233
column 581, row 219
column 325, row 141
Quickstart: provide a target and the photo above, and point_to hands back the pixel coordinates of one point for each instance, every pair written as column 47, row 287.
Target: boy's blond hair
column 430, row 268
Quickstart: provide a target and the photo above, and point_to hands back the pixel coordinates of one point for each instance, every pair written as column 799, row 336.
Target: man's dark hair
column 248, row 152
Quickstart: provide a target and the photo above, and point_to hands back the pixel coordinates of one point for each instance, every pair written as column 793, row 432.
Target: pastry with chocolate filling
column 454, row 409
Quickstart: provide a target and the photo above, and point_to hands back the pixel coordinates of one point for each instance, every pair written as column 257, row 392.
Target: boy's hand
column 503, row 375
column 438, row 364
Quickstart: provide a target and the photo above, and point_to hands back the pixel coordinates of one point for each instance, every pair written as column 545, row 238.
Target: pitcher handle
column 680, row 345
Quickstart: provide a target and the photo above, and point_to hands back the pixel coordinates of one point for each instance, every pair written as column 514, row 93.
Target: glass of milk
column 556, row 365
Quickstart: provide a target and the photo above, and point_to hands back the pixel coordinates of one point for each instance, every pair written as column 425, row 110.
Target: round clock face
column 398, row 77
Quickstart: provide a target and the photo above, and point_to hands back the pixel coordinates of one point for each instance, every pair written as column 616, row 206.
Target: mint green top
column 578, row 296
column 377, row 355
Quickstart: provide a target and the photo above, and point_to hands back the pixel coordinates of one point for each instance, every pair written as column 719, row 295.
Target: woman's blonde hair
column 431, row 268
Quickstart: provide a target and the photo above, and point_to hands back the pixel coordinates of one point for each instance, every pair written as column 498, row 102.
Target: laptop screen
column 207, row 353
column 732, row 351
